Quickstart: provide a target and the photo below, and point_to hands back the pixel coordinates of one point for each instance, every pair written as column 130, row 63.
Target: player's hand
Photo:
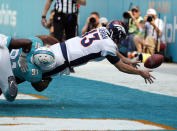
column 23, row 63
column 44, row 22
column 147, row 76
column 131, row 14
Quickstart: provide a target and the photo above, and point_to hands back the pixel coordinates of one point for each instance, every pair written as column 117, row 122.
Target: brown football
column 154, row 61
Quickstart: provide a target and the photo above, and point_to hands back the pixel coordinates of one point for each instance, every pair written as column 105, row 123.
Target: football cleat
column 11, row 92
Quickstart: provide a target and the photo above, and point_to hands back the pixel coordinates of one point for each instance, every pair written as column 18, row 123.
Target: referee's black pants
column 64, row 24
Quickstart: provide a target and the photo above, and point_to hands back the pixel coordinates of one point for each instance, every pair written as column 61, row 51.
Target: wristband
column 43, row 16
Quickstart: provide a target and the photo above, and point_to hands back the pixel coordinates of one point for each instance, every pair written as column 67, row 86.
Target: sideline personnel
column 65, row 18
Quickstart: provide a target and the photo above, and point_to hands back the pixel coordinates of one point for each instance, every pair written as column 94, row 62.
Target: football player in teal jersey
column 34, row 74
column 23, row 69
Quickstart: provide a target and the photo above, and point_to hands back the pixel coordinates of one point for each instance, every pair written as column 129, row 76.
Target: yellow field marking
column 19, row 124
column 38, row 96
column 22, row 96
column 155, row 124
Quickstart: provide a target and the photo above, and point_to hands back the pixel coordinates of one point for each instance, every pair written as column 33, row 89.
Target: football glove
column 23, row 62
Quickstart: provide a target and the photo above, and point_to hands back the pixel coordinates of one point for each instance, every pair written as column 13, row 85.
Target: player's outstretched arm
column 124, row 59
column 131, row 70
column 25, row 44
column 42, row 85
column 48, row 40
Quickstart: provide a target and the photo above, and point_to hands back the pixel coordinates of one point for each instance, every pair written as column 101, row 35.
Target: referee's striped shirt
column 66, row 6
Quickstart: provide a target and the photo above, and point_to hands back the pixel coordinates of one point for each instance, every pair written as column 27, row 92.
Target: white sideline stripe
column 35, row 124
column 24, row 97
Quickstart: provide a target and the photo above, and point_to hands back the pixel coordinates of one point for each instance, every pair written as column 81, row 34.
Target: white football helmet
column 44, row 58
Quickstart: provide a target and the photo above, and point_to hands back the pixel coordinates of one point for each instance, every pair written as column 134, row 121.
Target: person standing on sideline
column 65, row 18
column 134, row 29
column 49, row 23
column 154, row 28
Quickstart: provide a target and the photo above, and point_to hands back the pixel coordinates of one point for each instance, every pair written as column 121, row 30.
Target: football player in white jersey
column 97, row 44
column 8, row 84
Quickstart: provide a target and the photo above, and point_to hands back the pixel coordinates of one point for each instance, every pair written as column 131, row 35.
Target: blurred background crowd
column 65, row 19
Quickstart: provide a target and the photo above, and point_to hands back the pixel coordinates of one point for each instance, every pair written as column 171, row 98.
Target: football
column 154, row 61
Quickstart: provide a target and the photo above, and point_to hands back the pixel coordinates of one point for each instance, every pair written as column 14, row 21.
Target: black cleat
column 11, row 92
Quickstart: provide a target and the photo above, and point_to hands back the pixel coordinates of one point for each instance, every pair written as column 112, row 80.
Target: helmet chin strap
column 111, row 34
column 108, row 33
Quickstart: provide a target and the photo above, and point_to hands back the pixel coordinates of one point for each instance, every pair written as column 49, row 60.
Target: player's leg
column 7, row 80
column 70, row 26
column 150, row 42
column 138, row 40
column 58, row 27
column 70, row 30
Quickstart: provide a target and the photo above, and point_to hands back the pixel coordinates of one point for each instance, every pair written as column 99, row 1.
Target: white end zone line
column 44, row 123
column 21, row 96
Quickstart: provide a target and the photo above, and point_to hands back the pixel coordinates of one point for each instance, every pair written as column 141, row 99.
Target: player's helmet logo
column 117, row 31
column 44, row 58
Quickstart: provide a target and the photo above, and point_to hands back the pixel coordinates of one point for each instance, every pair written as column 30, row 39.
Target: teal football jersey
column 33, row 74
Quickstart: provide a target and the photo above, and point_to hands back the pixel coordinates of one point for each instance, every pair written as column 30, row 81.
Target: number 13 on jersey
column 89, row 37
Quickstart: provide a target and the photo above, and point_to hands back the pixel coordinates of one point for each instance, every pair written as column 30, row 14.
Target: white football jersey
column 96, row 41
column 94, row 45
